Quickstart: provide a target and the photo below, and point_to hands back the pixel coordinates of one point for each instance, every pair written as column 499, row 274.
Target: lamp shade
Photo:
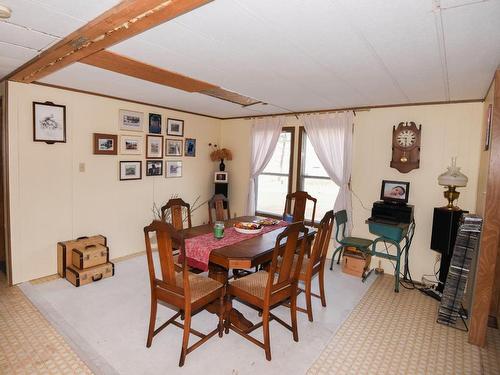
column 453, row 176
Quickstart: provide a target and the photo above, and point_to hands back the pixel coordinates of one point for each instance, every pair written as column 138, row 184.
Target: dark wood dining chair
column 176, row 206
column 265, row 290
column 315, row 264
column 185, row 291
column 220, row 205
column 295, row 205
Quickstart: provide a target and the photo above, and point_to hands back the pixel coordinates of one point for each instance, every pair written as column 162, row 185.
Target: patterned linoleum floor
column 386, row 334
column 28, row 343
column 389, row 333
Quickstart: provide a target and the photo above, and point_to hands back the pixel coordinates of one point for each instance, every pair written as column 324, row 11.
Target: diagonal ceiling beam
column 133, row 68
column 129, row 18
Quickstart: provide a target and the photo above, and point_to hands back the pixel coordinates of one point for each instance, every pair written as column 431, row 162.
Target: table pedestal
column 221, row 274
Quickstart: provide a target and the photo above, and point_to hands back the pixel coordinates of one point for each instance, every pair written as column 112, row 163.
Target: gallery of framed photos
column 162, row 144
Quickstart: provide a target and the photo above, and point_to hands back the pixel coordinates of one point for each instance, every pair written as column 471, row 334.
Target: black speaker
column 444, row 232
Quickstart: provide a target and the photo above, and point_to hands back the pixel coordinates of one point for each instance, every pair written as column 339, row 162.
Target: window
column 275, row 182
column 313, row 178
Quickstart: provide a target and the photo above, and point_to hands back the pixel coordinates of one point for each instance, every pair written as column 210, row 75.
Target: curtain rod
column 296, row 114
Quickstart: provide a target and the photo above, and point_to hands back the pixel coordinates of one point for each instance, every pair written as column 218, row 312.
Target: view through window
column 274, row 183
column 314, row 179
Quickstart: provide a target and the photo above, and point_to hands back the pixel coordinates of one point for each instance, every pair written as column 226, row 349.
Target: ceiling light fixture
column 4, row 12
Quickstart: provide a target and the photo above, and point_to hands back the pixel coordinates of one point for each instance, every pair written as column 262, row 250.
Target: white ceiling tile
column 472, row 38
column 14, row 34
column 85, row 10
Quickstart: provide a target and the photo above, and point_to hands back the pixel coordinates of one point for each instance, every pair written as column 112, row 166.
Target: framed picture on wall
column 130, row 170
column 489, row 120
column 175, row 127
column 173, row 147
column 155, row 123
column 154, row 146
column 130, row 120
column 105, row 144
column 154, row 167
column 131, row 145
column 49, row 122
column 173, row 168
column 190, row 147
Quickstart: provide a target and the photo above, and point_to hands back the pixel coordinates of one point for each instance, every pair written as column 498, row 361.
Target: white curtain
column 265, row 134
column 331, row 137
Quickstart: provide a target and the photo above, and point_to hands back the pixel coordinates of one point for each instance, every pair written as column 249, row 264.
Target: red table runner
column 198, row 248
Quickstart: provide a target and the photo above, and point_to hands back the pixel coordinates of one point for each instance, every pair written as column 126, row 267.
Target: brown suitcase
column 90, row 256
column 82, row 277
column 64, row 250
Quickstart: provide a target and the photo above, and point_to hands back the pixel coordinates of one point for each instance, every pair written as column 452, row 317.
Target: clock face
column 406, row 138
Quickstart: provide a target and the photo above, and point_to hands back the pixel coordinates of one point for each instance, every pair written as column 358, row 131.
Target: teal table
column 396, row 234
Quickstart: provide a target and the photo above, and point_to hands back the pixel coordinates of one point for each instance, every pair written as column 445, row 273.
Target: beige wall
column 52, row 201
column 447, row 130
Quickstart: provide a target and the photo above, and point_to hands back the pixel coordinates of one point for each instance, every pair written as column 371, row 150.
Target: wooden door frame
column 488, row 249
column 4, row 103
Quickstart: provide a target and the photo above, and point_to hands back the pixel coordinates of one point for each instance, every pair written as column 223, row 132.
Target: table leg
column 221, row 274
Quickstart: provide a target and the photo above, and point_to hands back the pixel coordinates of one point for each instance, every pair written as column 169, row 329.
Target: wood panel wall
column 486, row 265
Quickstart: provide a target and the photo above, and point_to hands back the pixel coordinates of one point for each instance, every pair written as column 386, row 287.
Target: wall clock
column 406, row 146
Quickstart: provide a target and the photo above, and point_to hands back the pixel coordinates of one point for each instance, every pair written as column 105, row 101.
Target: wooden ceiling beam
column 128, row 18
column 124, row 65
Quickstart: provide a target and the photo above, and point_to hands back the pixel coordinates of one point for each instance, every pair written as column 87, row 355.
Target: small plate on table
column 266, row 221
column 248, row 228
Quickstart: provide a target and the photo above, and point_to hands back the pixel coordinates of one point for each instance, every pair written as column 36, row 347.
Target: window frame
column 291, row 130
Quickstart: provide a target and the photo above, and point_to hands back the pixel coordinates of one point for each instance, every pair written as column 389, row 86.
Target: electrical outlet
column 81, row 167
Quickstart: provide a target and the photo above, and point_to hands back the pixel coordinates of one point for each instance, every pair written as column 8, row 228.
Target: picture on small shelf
column 154, row 167
column 220, row 177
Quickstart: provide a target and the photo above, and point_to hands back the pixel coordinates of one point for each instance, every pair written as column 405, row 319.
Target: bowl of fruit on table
column 248, row 228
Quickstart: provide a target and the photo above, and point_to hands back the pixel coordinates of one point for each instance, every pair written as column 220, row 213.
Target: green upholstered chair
column 361, row 244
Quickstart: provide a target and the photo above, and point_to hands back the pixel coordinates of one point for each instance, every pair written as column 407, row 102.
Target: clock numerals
column 406, row 138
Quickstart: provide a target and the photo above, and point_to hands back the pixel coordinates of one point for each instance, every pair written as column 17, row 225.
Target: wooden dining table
column 245, row 254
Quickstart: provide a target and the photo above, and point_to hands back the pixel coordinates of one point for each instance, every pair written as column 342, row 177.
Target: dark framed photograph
column 130, row 170
column 131, row 120
column 190, row 147
column 49, row 122
column 131, row 144
column 154, row 167
column 154, row 146
column 395, row 191
column 173, row 147
column 489, row 120
column 105, row 144
column 173, row 168
column 220, row 177
column 175, row 127
column 155, row 123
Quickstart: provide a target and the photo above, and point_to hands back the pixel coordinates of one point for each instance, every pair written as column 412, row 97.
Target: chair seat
column 254, row 284
column 200, row 285
column 356, row 242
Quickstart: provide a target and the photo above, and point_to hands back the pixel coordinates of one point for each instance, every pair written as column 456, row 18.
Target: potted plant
column 220, row 154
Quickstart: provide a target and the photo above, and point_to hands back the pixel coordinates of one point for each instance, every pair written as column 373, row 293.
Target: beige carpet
column 28, row 343
column 389, row 333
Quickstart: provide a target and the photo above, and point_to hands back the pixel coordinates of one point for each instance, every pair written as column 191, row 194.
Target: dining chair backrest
column 322, row 240
column 295, row 205
column 284, row 255
column 166, row 235
column 216, row 204
column 176, row 207
column 341, row 222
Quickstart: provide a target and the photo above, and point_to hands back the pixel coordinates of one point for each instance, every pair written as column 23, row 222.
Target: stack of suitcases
column 84, row 260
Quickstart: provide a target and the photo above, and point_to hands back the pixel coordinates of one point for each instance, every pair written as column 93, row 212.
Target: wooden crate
column 65, row 249
column 82, row 277
column 355, row 263
column 90, row 256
